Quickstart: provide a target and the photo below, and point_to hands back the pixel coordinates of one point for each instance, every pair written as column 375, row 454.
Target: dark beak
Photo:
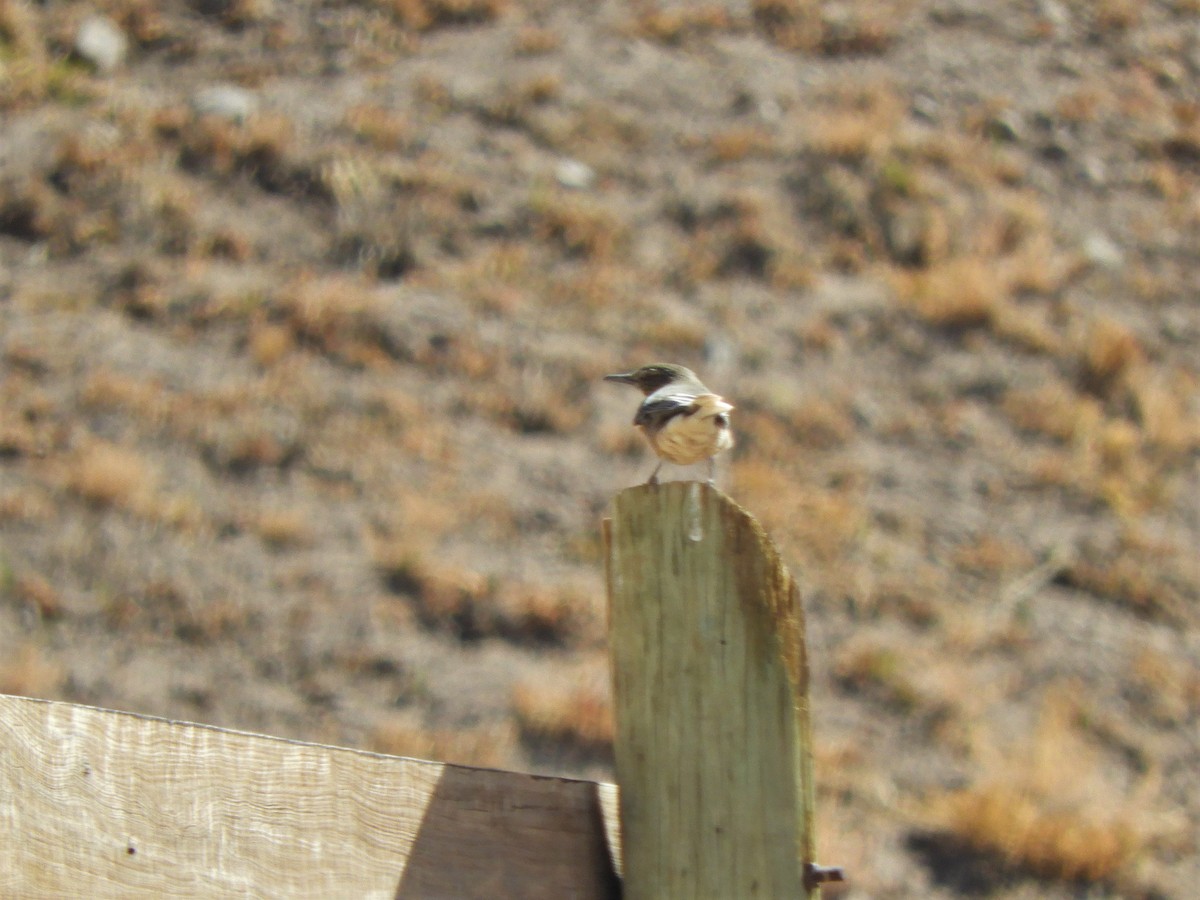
column 626, row 378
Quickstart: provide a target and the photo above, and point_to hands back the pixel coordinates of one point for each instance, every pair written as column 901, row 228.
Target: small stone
column 571, row 173
column 1055, row 13
column 1179, row 326
column 770, row 110
column 101, row 43
column 227, row 101
column 1094, row 170
column 1002, row 127
column 1054, row 150
column 1103, row 251
column 925, row 107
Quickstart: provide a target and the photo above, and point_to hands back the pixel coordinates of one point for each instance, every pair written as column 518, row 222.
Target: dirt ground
column 304, row 307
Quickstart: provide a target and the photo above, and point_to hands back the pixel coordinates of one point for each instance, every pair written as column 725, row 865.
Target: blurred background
column 303, row 307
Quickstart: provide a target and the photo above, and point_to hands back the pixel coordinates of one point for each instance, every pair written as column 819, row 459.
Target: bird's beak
column 626, row 378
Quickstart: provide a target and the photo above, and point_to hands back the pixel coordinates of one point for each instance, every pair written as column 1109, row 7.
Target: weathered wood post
column 103, row 804
column 710, row 685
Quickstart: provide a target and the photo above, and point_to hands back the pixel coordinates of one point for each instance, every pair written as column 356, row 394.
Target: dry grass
column 1028, row 329
column 1070, row 846
column 1168, row 688
column 676, row 335
column 1143, row 576
column 1108, row 354
column 30, row 672
column 1165, row 411
column 873, row 666
column 261, row 148
column 913, row 598
column 515, row 103
column 249, row 440
column 621, row 440
column 571, row 713
column 500, row 279
column 18, row 437
column 381, row 128
column 579, row 226
column 822, row 424
column 21, row 38
column 429, row 15
column 960, row 293
column 1055, row 410
column 791, row 24
column 992, row 556
column 675, row 24
column 812, row 523
column 848, row 134
column 239, row 429
column 283, row 527
column 598, row 131
column 737, row 143
column 745, row 234
column 1050, row 806
column 594, row 293
column 269, row 343
column 327, row 311
column 472, row 606
column 532, row 401
column 1118, row 15
column 856, row 122
column 39, row 595
column 164, row 608
column 29, row 71
column 849, row 29
column 340, row 316
column 492, row 745
column 108, row 474
column 1125, row 463
column 533, row 40
column 31, row 505
column 549, row 614
column 142, row 399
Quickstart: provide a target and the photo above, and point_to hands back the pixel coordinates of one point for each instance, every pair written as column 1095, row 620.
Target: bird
column 683, row 420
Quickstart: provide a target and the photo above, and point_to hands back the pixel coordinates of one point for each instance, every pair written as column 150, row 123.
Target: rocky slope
column 303, row 308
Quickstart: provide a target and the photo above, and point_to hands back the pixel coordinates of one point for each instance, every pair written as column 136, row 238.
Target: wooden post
column 710, row 687
column 96, row 803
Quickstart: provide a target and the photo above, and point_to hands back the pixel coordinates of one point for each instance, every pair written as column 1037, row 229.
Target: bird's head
column 649, row 379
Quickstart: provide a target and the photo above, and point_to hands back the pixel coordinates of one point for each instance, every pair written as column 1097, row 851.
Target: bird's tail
column 712, row 405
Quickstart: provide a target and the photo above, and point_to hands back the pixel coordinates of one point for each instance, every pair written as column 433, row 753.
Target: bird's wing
column 657, row 409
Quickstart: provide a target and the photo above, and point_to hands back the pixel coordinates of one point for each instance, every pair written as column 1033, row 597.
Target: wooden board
column 96, row 803
column 710, row 689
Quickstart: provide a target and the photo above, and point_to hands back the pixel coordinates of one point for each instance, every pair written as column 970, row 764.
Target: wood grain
column 99, row 803
column 711, row 700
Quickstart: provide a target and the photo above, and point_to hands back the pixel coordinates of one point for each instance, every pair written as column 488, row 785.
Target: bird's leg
column 712, row 471
column 653, row 479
